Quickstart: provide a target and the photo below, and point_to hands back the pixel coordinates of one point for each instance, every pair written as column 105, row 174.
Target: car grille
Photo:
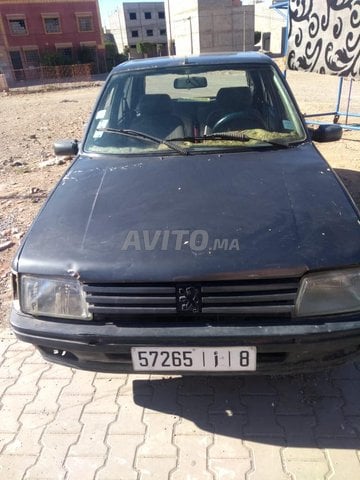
column 130, row 299
column 253, row 297
column 264, row 298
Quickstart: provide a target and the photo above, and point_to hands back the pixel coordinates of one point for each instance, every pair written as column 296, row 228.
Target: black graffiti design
column 324, row 37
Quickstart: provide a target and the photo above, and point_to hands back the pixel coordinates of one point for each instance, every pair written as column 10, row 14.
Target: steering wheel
column 238, row 121
column 227, row 119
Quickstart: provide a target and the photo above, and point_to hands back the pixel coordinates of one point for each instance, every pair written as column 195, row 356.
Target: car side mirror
column 66, row 147
column 326, row 133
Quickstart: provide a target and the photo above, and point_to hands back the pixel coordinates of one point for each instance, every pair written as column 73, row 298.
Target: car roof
column 204, row 59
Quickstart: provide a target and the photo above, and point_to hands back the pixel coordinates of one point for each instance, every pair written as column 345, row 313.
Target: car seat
column 234, row 111
column 155, row 117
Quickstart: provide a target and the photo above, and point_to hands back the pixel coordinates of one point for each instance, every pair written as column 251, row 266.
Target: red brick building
column 64, row 29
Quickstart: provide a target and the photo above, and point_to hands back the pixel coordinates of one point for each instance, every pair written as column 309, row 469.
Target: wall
column 117, row 26
column 216, row 25
column 5, row 67
column 226, row 26
column 37, row 38
column 269, row 21
column 183, row 19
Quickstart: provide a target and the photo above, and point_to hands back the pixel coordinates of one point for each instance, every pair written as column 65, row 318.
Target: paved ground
column 59, row 423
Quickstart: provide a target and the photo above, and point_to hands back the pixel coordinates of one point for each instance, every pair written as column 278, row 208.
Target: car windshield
column 193, row 109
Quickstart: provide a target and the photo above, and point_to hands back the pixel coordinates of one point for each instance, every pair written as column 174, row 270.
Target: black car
column 198, row 230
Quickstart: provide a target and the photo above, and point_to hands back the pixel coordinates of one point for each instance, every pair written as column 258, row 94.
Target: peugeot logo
column 189, row 300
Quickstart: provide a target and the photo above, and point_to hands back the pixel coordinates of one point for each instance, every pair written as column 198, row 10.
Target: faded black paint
column 286, row 208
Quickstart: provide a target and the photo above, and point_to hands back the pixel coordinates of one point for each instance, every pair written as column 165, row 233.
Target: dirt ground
column 31, row 122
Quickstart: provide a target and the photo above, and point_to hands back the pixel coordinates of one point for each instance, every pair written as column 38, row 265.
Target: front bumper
column 282, row 348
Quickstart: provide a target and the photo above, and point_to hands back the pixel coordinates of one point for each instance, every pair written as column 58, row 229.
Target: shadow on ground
column 351, row 180
column 308, row 411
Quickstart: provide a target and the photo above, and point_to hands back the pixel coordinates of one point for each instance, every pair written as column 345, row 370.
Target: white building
column 140, row 22
column 272, row 26
column 202, row 26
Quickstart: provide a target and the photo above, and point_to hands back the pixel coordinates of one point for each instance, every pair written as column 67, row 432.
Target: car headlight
column 58, row 297
column 329, row 293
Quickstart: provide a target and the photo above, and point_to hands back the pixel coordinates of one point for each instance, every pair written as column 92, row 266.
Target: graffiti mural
column 324, row 37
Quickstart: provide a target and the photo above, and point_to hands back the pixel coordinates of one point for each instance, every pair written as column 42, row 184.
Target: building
column 5, row 67
column 202, row 26
column 139, row 23
column 271, row 25
column 33, row 29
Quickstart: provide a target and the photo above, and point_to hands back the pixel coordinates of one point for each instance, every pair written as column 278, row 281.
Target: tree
column 146, row 49
column 159, row 49
column 113, row 57
column 127, row 51
column 140, row 48
column 53, row 59
column 86, row 54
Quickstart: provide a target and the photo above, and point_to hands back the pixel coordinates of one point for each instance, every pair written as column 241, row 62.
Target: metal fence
column 79, row 72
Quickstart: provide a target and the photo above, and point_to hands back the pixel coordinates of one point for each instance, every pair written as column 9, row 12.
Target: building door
column 17, row 65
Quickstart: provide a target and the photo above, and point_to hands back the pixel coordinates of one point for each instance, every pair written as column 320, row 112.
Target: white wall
column 181, row 18
column 268, row 20
column 217, row 26
column 117, row 27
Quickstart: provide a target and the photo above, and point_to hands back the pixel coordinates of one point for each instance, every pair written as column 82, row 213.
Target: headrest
column 155, row 104
column 234, row 98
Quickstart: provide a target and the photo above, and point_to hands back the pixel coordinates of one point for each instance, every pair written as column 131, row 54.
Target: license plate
column 207, row 359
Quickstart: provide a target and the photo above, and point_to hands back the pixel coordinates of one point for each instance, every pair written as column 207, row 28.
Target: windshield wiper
column 135, row 134
column 243, row 137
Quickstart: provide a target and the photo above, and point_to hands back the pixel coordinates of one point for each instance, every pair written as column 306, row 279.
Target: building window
column 66, row 53
column 150, row 33
column 134, row 33
column 162, row 31
column 52, row 24
column 132, row 15
column 17, row 63
column 161, row 15
column 147, row 15
column 18, row 26
column 32, row 57
column 85, row 23
column 87, row 52
column 132, row 46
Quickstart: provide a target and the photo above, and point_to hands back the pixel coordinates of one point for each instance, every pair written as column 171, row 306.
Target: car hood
column 214, row 216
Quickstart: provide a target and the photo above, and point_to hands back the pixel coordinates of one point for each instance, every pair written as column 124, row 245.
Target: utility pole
column 191, row 37
column 170, row 52
column 244, row 28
